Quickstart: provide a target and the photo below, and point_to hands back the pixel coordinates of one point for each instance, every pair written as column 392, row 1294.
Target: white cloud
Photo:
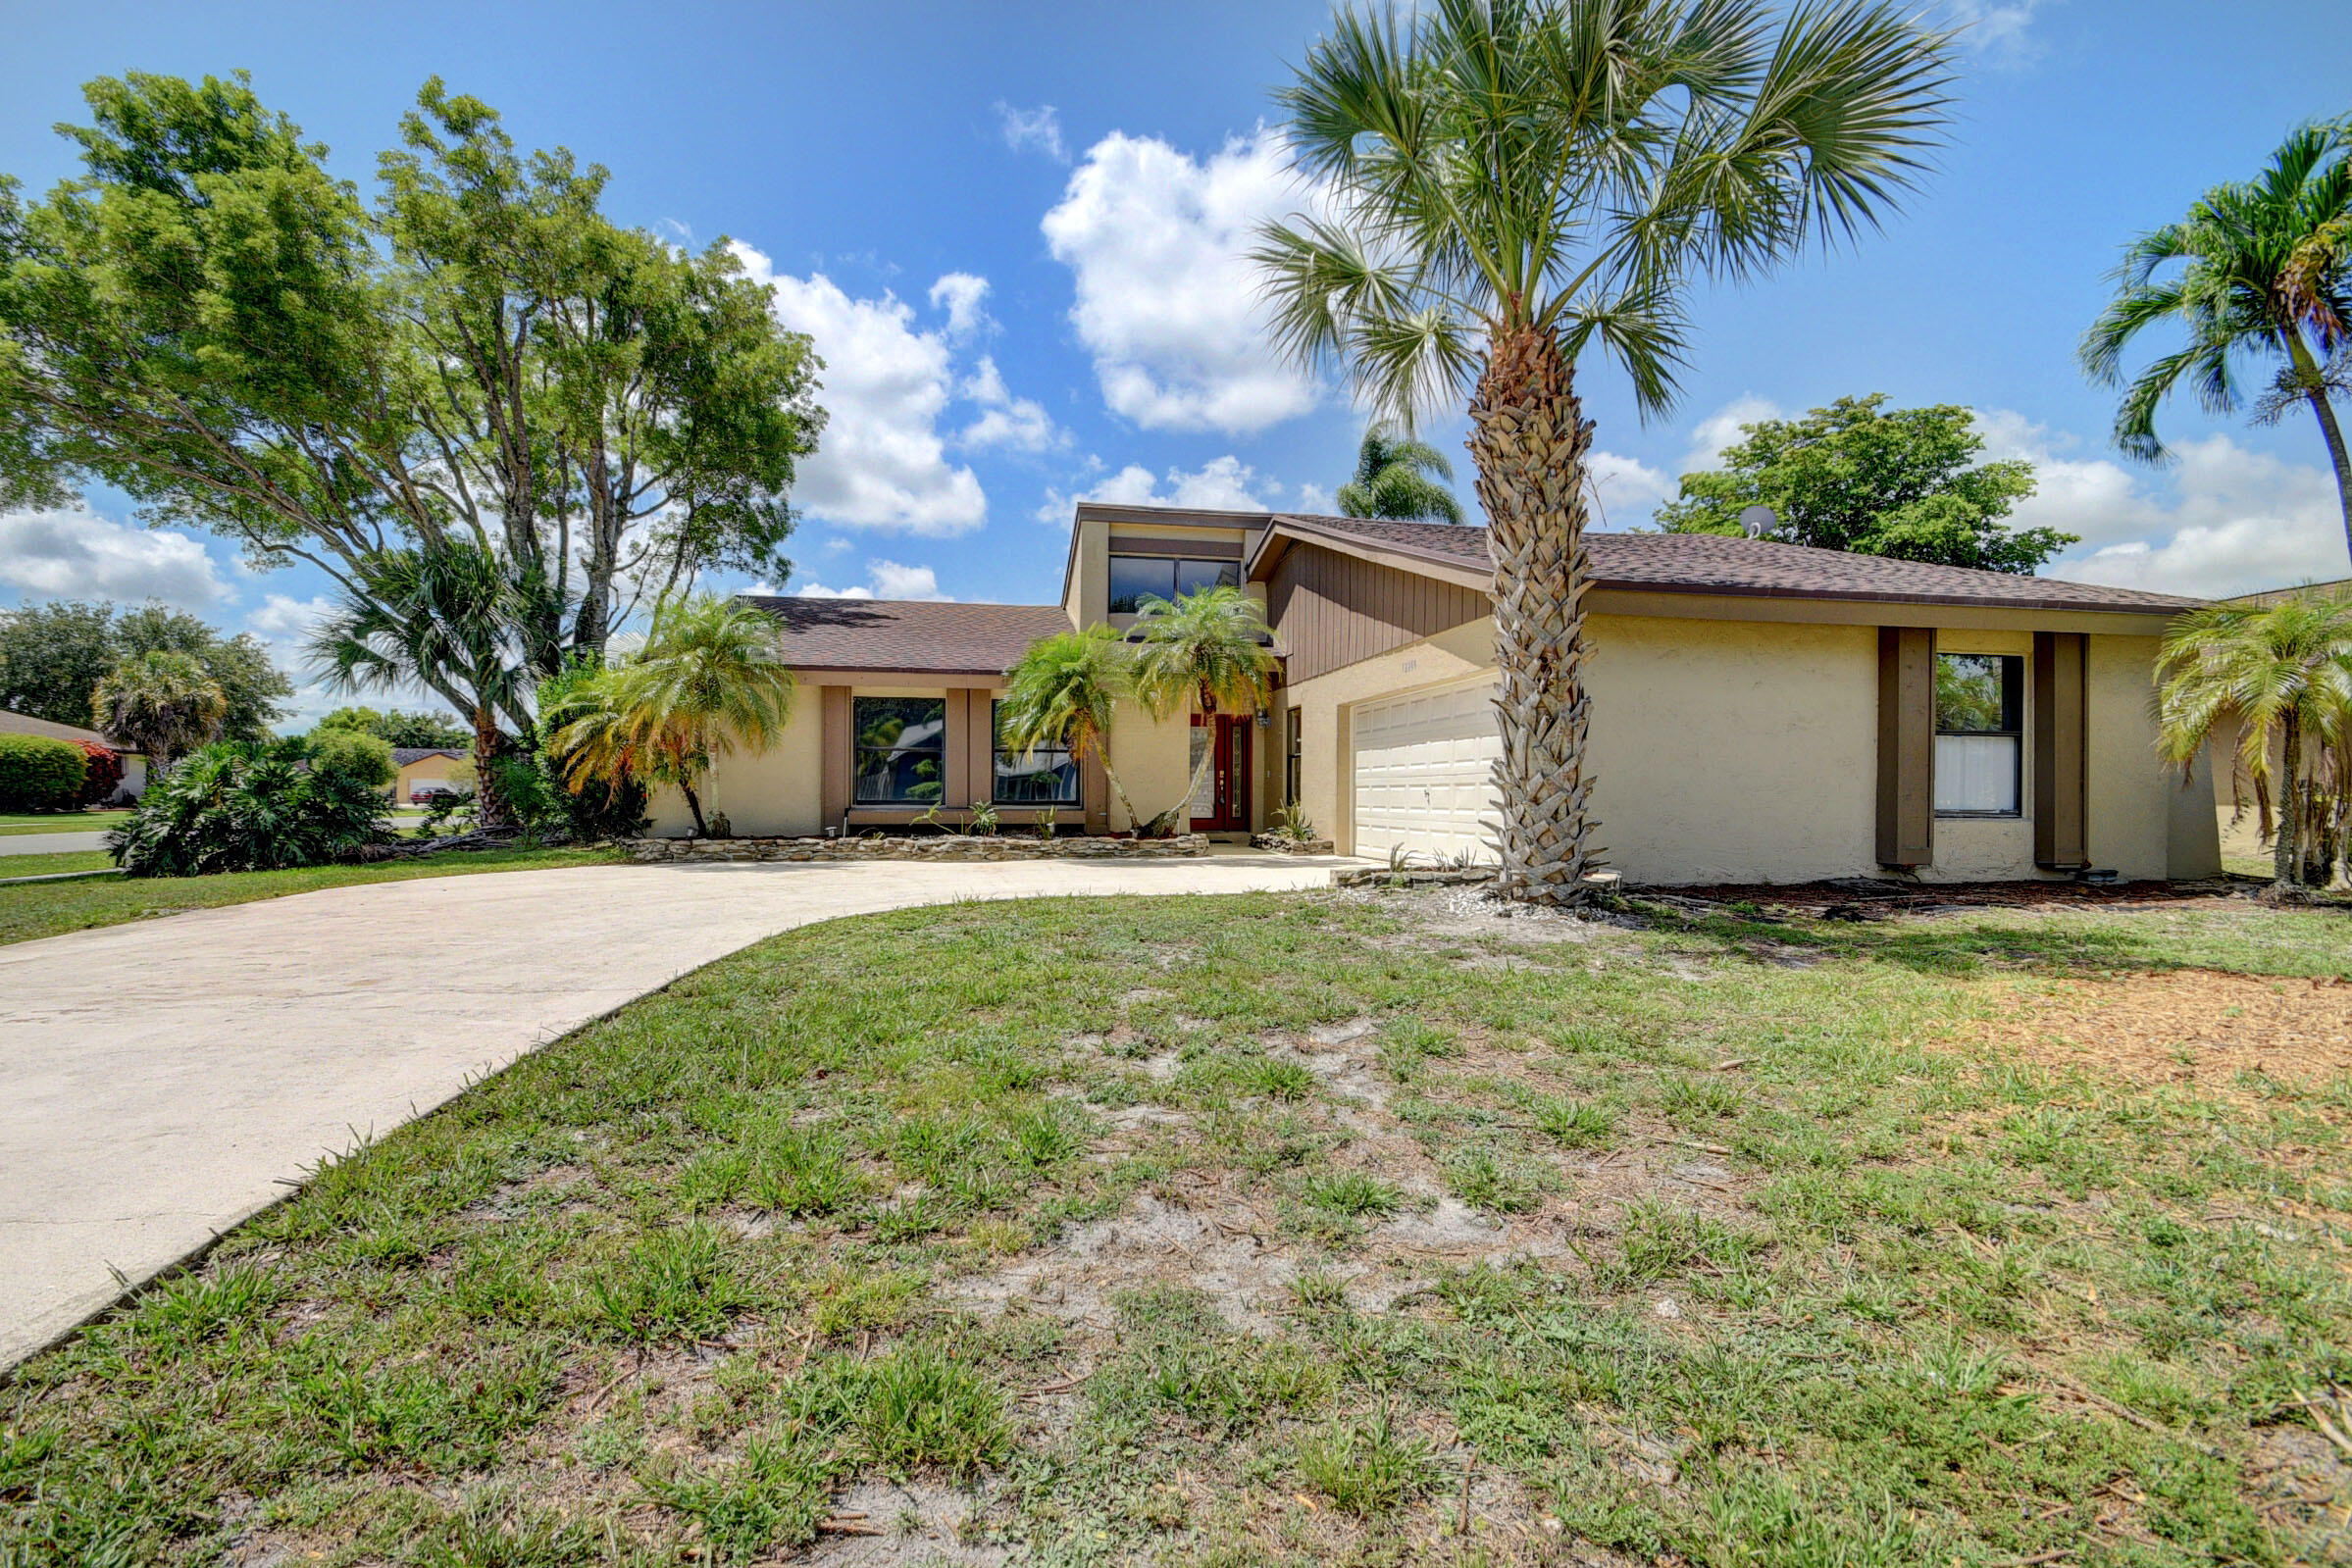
column 1167, row 301
column 1038, row 128
column 1018, row 422
column 282, row 617
column 1625, row 489
column 889, row 580
column 962, row 295
column 1715, row 435
column 2000, row 29
column 284, row 625
column 881, row 462
column 80, row 555
column 1221, row 484
column 1316, row 501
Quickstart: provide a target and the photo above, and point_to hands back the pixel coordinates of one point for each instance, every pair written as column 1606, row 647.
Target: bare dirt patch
column 2192, row 1027
column 912, row 1523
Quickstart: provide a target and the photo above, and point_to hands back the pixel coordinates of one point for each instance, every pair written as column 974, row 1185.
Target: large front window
column 1980, row 738
column 1137, row 578
column 902, row 751
column 1046, row 776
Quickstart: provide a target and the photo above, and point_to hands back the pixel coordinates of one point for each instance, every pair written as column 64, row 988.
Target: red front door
column 1222, row 804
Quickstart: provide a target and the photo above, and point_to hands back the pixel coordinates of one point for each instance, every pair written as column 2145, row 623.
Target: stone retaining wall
column 1285, row 844
column 938, row 846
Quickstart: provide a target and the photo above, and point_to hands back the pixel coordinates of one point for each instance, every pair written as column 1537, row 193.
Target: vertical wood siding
column 1906, row 745
column 2061, row 749
column 1332, row 610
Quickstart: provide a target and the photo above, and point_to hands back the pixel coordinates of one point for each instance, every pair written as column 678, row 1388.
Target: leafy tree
column 52, row 657
column 2260, row 271
column 1398, row 477
column 356, row 754
column 1066, row 691
column 241, row 806
column 1514, row 182
column 163, row 705
column 711, row 677
column 2283, row 673
column 1208, row 650
column 401, row 728
column 39, row 772
column 208, row 319
column 1857, row 477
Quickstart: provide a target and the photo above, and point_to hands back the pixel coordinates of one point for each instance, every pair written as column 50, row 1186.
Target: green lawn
column 44, row 909
column 60, row 821
column 1342, row 1226
column 44, row 865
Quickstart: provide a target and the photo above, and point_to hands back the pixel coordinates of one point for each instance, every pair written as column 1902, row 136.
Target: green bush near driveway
column 39, row 773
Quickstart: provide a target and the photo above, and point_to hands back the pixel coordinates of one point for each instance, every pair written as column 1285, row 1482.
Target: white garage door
column 1422, row 766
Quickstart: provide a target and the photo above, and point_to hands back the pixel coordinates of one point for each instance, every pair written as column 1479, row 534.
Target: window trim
column 1294, row 751
column 2012, row 705
column 858, row 752
column 997, row 750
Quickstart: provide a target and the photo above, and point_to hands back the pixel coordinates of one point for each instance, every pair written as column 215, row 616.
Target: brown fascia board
column 1175, row 516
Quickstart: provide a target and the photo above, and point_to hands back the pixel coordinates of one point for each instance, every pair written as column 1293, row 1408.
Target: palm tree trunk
column 2334, row 435
column 1529, row 439
column 2286, row 845
column 693, row 804
column 490, row 806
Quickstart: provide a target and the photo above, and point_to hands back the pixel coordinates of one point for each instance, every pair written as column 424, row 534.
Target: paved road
column 49, row 844
column 159, row 1081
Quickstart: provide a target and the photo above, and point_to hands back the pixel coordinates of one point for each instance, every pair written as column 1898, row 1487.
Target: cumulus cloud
column 882, row 462
column 962, row 296
column 1221, row 484
column 886, row 580
column 1167, row 303
column 1038, row 128
column 1018, row 422
column 1998, row 28
column 1625, row 488
column 80, row 555
column 1317, row 501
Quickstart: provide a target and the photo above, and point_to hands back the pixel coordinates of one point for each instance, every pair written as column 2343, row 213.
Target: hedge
column 39, row 774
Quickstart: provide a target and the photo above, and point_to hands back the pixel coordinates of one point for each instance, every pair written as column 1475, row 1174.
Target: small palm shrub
column 40, row 774
column 240, row 806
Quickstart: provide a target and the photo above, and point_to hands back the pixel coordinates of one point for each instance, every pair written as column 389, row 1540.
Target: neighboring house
column 424, row 769
column 135, row 764
column 1761, row 712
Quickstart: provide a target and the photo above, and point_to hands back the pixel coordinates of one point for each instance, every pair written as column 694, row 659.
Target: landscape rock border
column 941, row 846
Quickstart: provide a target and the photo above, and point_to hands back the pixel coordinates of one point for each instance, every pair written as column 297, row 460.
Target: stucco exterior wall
column 425, row 769
column 1154, row 757
column 778, row 792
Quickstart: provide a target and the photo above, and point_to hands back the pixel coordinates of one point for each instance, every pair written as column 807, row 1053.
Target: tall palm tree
column 2283, row 674
column 1207, row 650
column 450, row 617
column 1065, row 692
column 162, row 704
column 2265, row 274
column 1398, row 477
column 1512, row 182
column 711, row 677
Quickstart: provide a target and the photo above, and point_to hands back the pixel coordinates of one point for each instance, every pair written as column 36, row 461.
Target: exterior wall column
column 839, row 754
column 1906, row 745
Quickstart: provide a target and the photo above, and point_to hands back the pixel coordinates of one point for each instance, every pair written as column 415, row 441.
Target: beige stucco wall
column 780, row 791
column 1745, row 751
column 1153, row 759
column 425, row 769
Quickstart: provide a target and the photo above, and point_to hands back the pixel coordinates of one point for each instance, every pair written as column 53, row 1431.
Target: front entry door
column 1222, row 803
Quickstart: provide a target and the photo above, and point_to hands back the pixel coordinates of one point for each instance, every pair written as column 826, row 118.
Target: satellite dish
column 1757, row 521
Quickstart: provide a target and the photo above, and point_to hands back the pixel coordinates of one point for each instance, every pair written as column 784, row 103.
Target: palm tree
column 1065, row 692
column 1208, row 649
column 450, row 617
column 1512, row 182
column 711, row 677
column 1394, row 478
column 2283, row 674
column 162, row 704
column 2266, row 274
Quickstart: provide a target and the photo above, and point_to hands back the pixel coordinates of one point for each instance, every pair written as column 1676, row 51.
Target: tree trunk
column 2334, row 435
column 2286, row 845
column 1135, row 823
column 693, row 804
column 1529, row 439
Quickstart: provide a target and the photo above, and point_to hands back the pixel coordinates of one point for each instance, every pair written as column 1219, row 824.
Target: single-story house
column 424, row 770
column 1761, row 712
column 133, row 762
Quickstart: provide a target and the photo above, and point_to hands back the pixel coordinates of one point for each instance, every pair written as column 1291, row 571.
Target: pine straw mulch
column 2196, row 1028
column 1874, row 895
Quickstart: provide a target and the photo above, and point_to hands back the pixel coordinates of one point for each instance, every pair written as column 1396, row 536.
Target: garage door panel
column 1421, row 767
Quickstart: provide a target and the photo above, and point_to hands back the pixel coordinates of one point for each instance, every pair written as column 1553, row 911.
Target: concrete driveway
column 163, row 1080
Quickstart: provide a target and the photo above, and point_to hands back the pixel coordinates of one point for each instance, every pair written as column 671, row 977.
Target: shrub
column 40, row 774
column 240, row 806
column 105, row 775
column 354, row 755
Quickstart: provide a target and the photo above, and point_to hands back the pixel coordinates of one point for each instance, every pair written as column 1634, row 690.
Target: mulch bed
column 1861, row 896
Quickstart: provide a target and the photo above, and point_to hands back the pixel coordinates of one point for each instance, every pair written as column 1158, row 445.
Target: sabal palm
column 711, row 677
column 1209, row 650
column 2283, row 674
column 1510, row 183
column 2263, row 272
column 1066, row 691
column 1397, row 476
column 162, row 704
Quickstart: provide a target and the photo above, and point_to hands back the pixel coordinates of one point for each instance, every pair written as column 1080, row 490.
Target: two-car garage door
column 1422, row 766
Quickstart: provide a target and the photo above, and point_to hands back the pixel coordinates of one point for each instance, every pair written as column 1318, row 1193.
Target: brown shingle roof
column 1709, row 562
column 24, row 723
column 917, row 636
column 402, row 756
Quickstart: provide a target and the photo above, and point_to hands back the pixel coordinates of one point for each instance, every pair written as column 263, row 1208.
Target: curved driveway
column 162, row 1080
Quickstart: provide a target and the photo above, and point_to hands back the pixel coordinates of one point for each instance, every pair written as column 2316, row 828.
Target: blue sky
column 1012, row 230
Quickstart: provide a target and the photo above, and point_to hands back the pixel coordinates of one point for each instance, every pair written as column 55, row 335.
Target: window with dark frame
column 1045, row 776
column 1137, row 578
column 1292, row 749
column 1979, row 734
column 902, row 751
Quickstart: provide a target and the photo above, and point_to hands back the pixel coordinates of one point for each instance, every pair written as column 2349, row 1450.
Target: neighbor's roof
column 2267, row 597
column 402, row 756
column 914, row 636
column 1709, row 563
column 24, row 723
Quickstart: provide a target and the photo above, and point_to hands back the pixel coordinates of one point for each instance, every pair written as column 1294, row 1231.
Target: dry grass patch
column 2197, row 1029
